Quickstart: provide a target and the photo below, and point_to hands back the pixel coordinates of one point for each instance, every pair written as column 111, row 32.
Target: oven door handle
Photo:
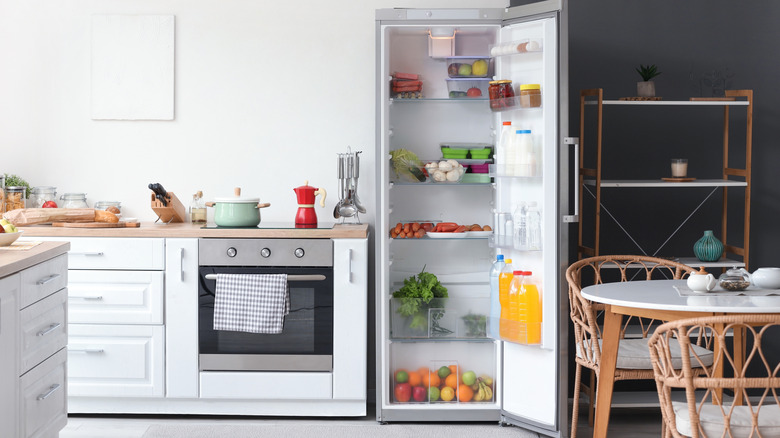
column 313, row 277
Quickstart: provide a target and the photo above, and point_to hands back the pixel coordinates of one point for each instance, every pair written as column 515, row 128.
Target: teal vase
column 708, row 248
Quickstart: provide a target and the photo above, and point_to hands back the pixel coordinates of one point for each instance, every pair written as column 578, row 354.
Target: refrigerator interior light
column 441, row 42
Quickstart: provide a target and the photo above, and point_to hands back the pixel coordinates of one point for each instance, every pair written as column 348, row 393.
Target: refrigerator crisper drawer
column 441, row 374
column 441, row 318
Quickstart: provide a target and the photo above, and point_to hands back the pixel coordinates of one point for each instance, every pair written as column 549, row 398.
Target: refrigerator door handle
column 574, row 141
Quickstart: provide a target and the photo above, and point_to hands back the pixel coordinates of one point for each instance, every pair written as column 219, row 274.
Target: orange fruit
column 451, row 381
column 447, row 393
column 435, row 380
column 414, row 378
column 425, row 376
column 465, row 393
column 453, row 369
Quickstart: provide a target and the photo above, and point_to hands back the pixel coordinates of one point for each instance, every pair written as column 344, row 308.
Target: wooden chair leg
column 575, row 407
column 592, row 398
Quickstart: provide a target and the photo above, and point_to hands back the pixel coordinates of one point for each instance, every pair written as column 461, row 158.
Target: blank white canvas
column 132, row 67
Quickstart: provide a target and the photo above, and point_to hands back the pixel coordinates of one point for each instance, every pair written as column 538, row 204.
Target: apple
column 419, row 393
column 49, row 204
column 464, row 70
column 469, row 378
column 433, row 393
column 473, row 92
column 403, row 392
column 2, row 230
column 452, row 69
column 10, row 228
column 401, row 376
column 4, row 222
column 479, row 67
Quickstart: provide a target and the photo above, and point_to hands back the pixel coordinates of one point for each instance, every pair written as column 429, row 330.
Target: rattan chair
column 712, row 412
column 633, row 358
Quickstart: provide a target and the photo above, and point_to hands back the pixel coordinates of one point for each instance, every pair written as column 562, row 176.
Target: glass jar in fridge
column 42, row 194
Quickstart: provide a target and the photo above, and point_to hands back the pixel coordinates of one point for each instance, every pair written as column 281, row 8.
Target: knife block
column 173, row 212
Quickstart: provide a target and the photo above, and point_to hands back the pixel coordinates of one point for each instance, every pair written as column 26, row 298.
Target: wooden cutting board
column 96, row 224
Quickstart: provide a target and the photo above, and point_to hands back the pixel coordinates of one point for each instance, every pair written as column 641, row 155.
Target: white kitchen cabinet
column 116, row 360
column 33, row 334
column 108, row 297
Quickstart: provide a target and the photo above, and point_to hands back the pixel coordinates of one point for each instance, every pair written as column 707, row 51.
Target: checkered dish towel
column 251, row 303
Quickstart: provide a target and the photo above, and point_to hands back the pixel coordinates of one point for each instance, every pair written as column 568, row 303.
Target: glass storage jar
column 102, row 205
column 41, row 194
column 74, row 200
column 14, row 197
column 735, row 279
column 501, row 94
column 530, row 96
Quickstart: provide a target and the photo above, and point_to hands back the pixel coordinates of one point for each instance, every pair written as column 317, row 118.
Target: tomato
column 474, row 92
column 403, row 392
column 49, row 204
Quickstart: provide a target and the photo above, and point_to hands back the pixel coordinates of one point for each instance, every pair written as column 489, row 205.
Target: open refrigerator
column 427, row 104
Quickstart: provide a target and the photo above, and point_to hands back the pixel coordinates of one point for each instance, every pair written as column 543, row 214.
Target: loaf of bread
column 32, row 216
column 106, row 216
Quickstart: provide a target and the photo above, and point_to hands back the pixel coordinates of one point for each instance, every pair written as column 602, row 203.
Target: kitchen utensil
column 349, row 204
column 96, row 224
column 237, row 211
column 306, row 217
column 766, row 278
column 172, row 211
column 161, row 198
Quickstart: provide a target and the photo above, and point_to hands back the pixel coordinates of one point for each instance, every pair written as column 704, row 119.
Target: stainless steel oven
column 306, row 342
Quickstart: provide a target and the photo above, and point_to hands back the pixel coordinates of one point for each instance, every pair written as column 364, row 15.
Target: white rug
column 333, row 431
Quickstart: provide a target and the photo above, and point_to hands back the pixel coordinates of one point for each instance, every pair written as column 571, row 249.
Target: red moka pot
column 306, row 217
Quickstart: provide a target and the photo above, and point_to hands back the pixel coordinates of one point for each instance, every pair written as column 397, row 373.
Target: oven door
column 305, row 344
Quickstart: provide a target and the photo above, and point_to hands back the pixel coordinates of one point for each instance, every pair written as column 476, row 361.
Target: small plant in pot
column 646, row 88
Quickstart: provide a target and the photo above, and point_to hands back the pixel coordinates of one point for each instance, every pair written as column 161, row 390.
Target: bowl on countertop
column 7, row 239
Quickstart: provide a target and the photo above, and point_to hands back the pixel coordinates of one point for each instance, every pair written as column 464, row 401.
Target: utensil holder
column 173, row 212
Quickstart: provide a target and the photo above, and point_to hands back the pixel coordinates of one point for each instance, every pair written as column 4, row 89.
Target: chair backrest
column 604, row 269
column 756, row 382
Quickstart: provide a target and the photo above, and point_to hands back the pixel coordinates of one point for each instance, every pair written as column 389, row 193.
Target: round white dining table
column 657, row 299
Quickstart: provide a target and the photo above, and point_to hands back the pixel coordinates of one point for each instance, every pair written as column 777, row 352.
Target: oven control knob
column 299, row 252
column 265, row 252
column 231, row 252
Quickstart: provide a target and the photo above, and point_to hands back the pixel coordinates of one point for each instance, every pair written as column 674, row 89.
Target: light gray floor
column 639, row 423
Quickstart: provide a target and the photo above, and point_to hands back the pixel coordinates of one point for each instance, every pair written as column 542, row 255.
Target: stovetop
column 274, row 226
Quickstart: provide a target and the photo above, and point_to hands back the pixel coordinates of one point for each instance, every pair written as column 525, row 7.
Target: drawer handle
column 88, row 253
column 48, row 279
column 51, row 328
column 85, row 350
column 96, row 298
column 52, row 390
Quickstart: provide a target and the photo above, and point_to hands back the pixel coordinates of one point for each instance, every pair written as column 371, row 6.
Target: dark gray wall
column 702, row 47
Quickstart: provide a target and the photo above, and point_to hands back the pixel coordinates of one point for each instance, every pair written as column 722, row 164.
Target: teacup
column 766, row 278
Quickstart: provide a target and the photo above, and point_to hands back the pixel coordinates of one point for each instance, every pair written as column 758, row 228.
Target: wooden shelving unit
column 732, row 178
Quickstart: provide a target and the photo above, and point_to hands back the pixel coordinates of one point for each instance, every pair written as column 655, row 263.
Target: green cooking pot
column 237, row 211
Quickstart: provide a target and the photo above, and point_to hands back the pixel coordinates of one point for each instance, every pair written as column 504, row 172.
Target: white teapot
column 766, row 278
column 701, row 281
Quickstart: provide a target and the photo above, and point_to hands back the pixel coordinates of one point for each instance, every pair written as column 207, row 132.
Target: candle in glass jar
column 679, row 167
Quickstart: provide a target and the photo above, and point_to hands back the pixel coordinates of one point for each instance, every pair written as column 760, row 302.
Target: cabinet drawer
column 116, row 360
column 115, row 297
column 44, row 398
column 43, row 329
column 43, row 279
column 115, row 253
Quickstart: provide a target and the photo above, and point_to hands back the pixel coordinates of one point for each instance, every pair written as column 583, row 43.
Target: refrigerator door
column 531, row 50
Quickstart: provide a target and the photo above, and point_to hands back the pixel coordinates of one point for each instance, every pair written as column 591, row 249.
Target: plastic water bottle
column 504, row 145
column 495, row 305
column 504, row 279
column 520, row 233
column 533, row 222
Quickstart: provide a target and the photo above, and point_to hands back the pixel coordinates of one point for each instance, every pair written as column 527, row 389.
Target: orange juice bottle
column 530, row 310
column 517, row 330
column 504, row 279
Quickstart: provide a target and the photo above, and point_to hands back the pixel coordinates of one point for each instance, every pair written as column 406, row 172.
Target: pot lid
column 238, row 198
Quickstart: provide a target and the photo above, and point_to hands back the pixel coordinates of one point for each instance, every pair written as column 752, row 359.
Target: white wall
column 267, row 93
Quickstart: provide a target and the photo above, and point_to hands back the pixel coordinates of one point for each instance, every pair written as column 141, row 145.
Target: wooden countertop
column 13, row 261
column 151, row 229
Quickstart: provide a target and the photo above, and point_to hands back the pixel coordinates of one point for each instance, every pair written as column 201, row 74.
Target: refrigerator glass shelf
column 442, row 339
column 433, row 184
column 440, row 99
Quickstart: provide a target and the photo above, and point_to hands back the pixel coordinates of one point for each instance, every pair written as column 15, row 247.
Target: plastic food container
column 480, row 168
column 467, row 88
column 480, row 153
column 439, row 174
column 468, row 67
column 454, row 153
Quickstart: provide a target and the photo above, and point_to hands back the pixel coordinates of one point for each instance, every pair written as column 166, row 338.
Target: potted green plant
column 646, row 87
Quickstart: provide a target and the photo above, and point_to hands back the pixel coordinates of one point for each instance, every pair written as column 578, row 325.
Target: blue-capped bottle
column 495, row 305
